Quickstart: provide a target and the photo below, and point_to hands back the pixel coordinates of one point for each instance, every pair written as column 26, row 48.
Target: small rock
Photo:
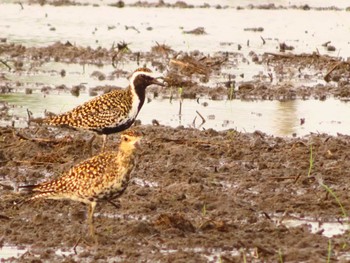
column 196, row 31
column 28, row 91
column 331, row 48
column 142, row 191
column 92, row 93
column 255, row 29
column 284, row 47
column 63, row 73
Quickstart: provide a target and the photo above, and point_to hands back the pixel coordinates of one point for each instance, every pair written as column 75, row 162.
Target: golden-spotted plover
column 101, row 177
column 112, row 112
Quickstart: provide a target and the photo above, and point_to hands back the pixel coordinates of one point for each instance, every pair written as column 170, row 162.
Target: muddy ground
column 196, row 196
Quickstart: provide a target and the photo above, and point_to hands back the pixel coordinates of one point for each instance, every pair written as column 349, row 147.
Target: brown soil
column 196, row 196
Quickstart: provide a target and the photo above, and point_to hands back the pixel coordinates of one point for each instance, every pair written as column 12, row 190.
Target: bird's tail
column 35, row 188
column 28, row 188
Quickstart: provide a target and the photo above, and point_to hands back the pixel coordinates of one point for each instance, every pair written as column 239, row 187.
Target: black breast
column 115, row 129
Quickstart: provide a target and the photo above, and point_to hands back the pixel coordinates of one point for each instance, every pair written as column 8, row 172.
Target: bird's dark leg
column 104, row 137
column 91, row 219
column 116, row 205
column 90, row 143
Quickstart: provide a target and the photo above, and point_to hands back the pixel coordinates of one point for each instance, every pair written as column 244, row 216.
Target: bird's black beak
column 156, row 81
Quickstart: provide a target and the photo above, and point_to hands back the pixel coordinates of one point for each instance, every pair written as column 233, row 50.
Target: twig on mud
column 132, row 27
column 114, row 60
column 5, row 63
column 32, row 162
column 180, row 106
column 29, row 113
column 327, row 76
column 326, row 43
column 203, row 120
column 23, row 137
column 194, row 122
column 75, row 246
column 296, row 179
column 266, row 215
column 264, row 250
column 190, row 66
column 282, row 178
column 6, row 187
column 3, row 217
column 263, row 40
column 280, row 55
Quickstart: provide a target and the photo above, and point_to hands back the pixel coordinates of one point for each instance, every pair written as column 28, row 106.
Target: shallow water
column 305, row 30
column 327, row 229
column 272, row 117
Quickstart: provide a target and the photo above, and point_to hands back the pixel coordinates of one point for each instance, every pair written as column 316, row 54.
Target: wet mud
column 196, row 196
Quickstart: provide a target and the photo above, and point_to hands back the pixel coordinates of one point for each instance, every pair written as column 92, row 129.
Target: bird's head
column 143, row 77
column 130, row 139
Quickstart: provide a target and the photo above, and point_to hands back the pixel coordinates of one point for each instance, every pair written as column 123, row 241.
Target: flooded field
column 287, row 118
column 245, row 151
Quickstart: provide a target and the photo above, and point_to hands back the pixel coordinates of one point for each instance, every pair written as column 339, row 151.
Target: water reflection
column 286, row 119
column 272, row 117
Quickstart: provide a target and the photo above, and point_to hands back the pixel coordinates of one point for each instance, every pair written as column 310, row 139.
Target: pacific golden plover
column 111, row 112
column 102, row 177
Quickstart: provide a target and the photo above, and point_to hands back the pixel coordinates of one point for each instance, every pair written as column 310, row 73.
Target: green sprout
column 329, row 251
column 180, row 90
column 311, row 162
column 204, row 210
column 232, row 90
column 280, row 256
column 330, row 191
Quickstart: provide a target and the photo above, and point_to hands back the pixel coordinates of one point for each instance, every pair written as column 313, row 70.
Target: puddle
column 327, row 229
column 211, row 254
column 272, row 117
column 144, row 183
column 8, row 251
column 127, row 217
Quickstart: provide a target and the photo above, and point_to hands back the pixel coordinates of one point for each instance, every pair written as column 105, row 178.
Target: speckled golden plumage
column 97, row 113
column 101, row 177
column 111, row 112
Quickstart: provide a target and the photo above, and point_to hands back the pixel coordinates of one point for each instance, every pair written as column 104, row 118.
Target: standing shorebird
column 112, row 112
column 102, row 177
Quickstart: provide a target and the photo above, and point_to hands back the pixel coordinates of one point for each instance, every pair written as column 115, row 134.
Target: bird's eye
column 125, row 139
